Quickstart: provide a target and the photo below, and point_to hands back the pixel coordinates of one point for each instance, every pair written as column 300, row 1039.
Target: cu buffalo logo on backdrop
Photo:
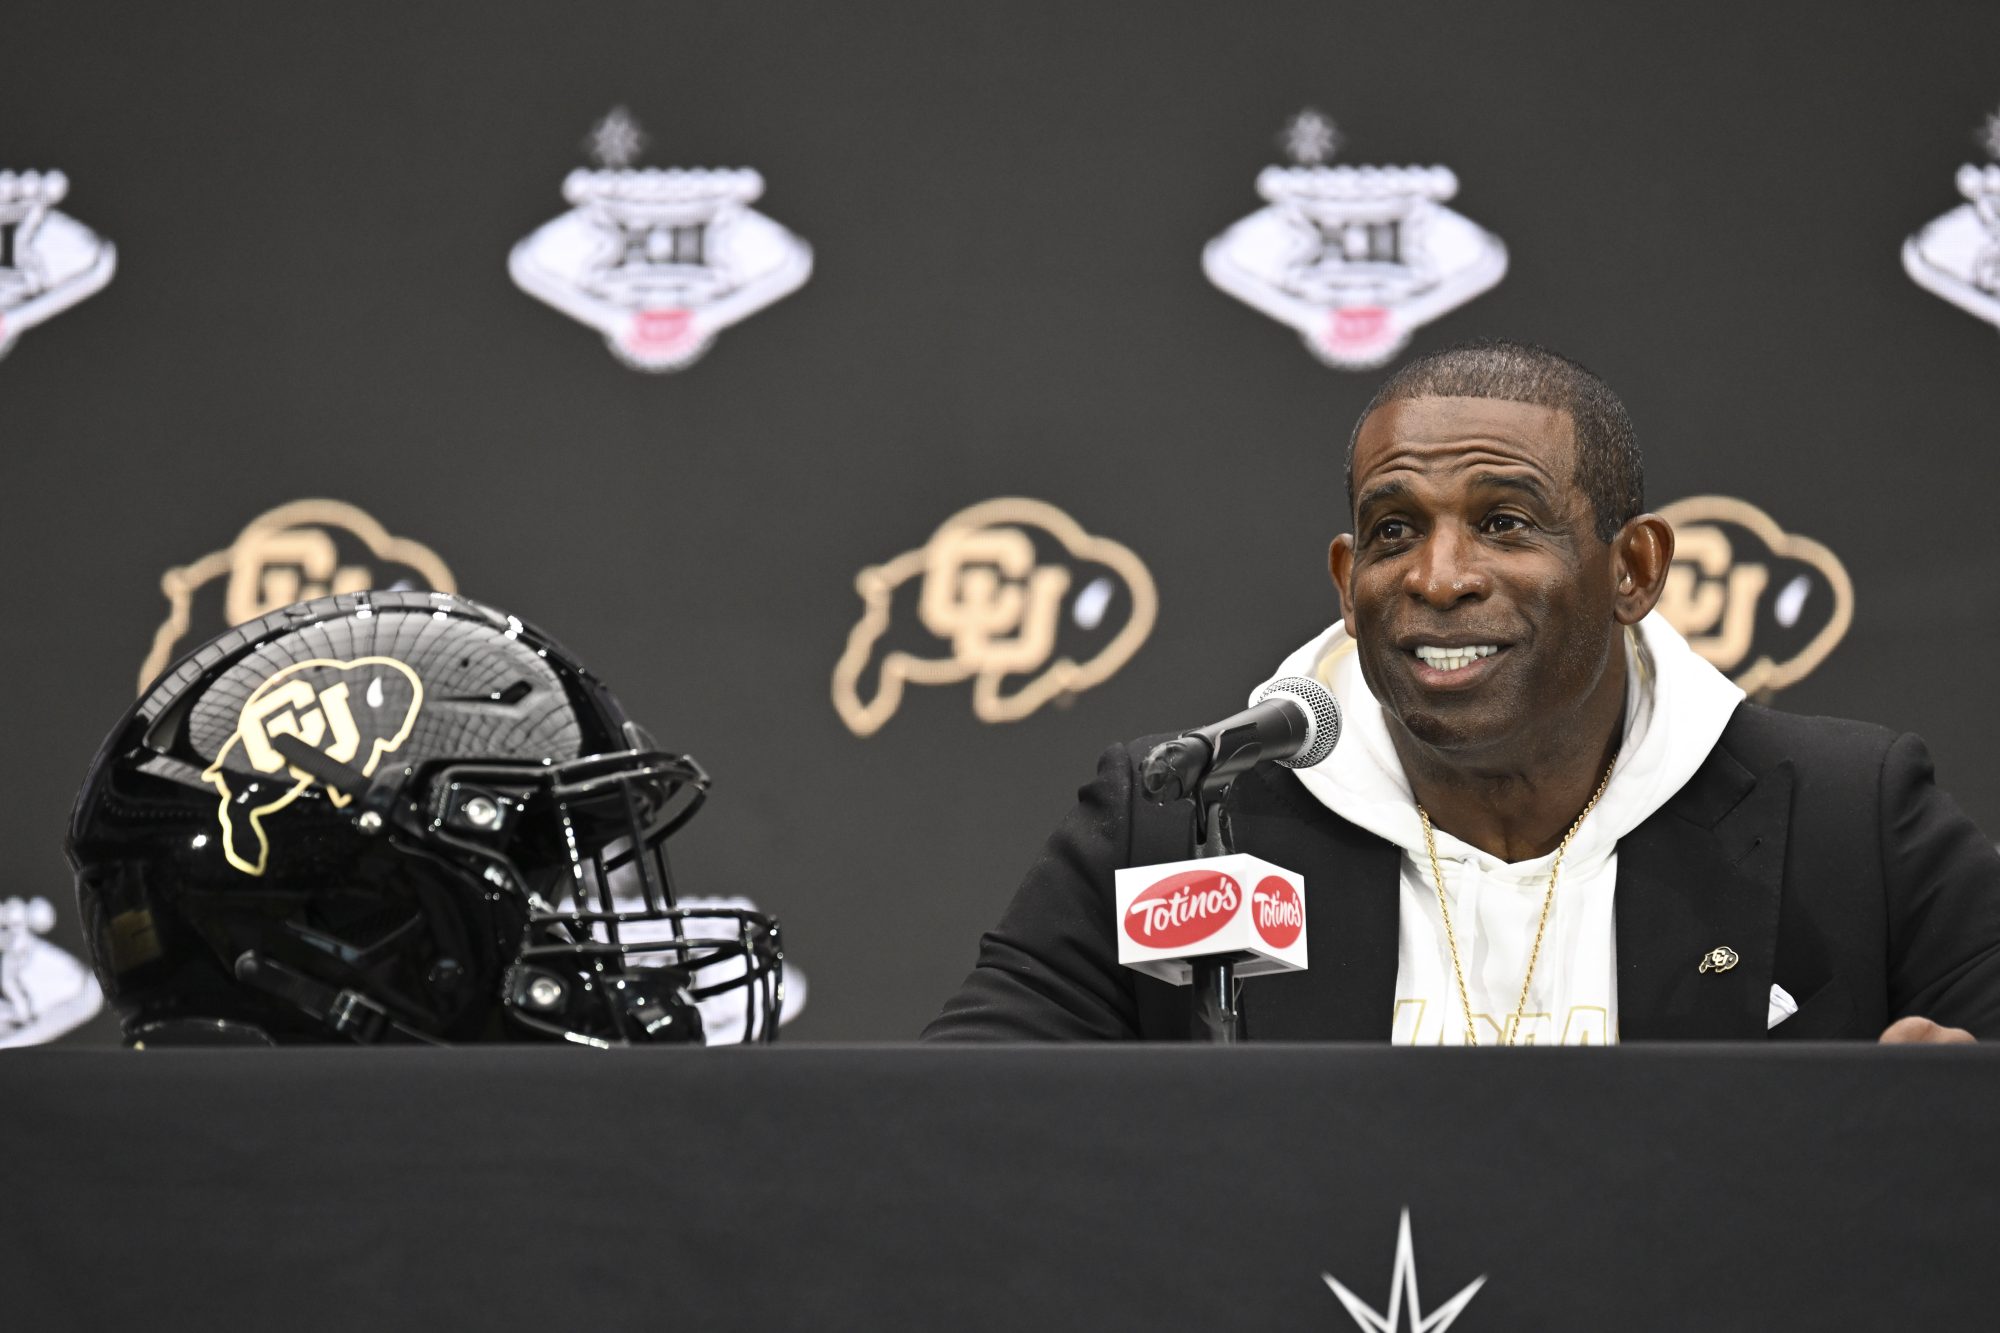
column 353, row 712
column 1763, row 605
column 1355, row 258
column 48, row 260
column 308, row 548
column 1957, row 255
column 1012, row 595
column 658, row 261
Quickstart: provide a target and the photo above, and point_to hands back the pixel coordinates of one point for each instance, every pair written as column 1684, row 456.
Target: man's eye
column 1506, row 523
column 1391, row 530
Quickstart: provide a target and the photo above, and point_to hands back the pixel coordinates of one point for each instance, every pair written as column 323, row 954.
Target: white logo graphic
column 43, row 991
column 48, row 260
column 1355, row 258
column 1957, row 256
column 658, row 261
column 1403, row 1286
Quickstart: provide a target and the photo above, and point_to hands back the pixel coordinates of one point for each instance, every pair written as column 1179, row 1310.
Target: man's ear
column 1640, row 556
column 1340, row 564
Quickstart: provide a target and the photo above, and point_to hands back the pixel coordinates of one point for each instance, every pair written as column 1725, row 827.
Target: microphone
column 1293, row 720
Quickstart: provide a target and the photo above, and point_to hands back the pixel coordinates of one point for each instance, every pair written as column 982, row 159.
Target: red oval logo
column 1182, row 909
column 1279, row 912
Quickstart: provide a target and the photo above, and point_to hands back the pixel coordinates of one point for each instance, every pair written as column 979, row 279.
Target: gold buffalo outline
column 215, row 776
column 181, row 583
column 1765, row 673
column 877, row 584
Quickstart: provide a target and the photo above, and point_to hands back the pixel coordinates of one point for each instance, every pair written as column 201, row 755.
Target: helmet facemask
column 609, row 955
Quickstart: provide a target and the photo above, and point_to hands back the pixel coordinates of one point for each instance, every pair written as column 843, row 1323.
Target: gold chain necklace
column 1548, row 900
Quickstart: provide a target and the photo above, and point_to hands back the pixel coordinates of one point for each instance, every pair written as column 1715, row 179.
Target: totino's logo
column 1957, row 255
column 48, row 260
column 1182, row 909
column 1278, row 911
column 1011, row 594
column 352, row 712
column 1763, row 605
column 1355, row 258
column 659, row 262
column 308, row 548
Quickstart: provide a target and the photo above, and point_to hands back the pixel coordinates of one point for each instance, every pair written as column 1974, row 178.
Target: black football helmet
column 400, row 816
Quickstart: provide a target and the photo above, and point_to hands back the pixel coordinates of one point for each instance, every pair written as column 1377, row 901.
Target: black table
column 1007, row 1188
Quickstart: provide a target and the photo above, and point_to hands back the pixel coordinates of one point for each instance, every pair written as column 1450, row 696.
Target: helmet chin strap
column 345, row 1013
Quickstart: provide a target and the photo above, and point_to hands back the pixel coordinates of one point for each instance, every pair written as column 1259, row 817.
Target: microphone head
column 1322, row 712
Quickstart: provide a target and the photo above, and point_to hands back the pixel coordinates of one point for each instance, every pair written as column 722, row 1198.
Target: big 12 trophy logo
column 658, row 261
column 1354, row 258
column 44, row 992
column 1957, row 255
column 48, row 260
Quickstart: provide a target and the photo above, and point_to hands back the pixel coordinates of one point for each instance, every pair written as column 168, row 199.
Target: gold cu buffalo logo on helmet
column 353, row 712
column 308, row 548
column 1011, row 594
column 1765, row 606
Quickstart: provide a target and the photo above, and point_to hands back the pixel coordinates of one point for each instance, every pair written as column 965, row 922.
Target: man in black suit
column 1517, row 712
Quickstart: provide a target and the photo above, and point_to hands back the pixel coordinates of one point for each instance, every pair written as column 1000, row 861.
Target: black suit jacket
column 1820, row 850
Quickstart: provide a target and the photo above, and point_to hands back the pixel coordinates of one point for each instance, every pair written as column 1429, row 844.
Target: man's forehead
column 1428, row 433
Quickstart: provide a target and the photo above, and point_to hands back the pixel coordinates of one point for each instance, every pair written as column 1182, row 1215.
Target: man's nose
column 1448, row 569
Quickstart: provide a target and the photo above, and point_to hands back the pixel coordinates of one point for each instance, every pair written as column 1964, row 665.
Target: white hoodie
column 1679, row 706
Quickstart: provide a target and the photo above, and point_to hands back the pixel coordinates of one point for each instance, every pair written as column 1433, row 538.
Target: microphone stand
column 1199, row 766
column 1215, row 1018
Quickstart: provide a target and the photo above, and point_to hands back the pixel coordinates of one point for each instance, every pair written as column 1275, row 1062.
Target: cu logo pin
column 1719, row 960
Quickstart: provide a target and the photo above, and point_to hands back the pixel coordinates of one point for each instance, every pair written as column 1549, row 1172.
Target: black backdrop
column 313, row 209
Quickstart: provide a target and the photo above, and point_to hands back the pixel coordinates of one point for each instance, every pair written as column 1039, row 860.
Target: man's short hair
column 1608, row 468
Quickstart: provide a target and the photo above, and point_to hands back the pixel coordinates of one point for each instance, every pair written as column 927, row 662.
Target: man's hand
column 1914, row 1031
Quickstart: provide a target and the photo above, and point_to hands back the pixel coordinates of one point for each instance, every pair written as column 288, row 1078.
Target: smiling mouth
column 1454, row 659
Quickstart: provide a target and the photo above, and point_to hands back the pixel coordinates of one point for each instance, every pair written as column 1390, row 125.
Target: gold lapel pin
column 1719, row 960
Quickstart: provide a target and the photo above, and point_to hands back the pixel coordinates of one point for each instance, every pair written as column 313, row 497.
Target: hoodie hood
column 1677, row 707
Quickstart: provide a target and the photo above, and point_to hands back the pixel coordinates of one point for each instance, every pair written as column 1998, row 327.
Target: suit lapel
column 1703, row 874
column 1348, row 991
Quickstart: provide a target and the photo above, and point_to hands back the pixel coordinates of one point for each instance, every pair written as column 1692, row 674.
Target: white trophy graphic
column 1957, row 256
column 48, row 260
column 43, row 991
column 1355, row 258
column 658, row 261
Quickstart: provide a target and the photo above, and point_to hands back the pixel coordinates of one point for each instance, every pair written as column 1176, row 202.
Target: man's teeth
column 1451, row 659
